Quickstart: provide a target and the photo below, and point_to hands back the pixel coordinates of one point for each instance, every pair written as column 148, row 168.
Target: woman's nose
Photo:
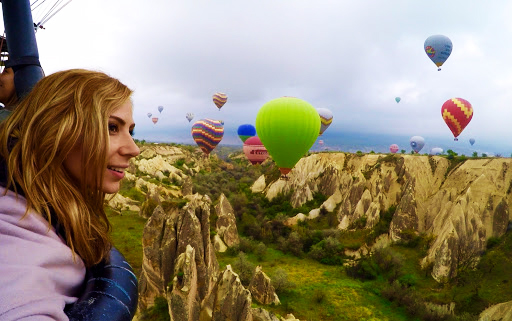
column 130, row 148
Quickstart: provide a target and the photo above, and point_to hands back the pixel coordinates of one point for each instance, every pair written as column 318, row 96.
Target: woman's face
column 7, row 88
column 121, row 149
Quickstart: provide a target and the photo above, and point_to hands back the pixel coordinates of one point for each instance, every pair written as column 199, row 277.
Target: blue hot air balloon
column 438, row 48
column 417, row 143
column 397, row 99
column 436, row 151
column 160, row 108
column 246, row 131
column 471, row 141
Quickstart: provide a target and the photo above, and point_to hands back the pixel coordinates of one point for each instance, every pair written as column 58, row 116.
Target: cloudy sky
column 352, row 57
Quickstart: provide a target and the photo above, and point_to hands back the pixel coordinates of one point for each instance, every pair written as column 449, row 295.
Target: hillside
column 436, row 227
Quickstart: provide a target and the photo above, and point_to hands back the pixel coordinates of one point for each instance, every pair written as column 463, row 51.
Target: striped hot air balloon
column 154, row 120
column 207, row 133
column 325, row 119
column 457, row 114
column 220, row 99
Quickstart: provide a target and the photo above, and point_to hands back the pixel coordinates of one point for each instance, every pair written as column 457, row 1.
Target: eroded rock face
column 259, row 314
column 166, row 236
column 498, row 312
column 261, row 288
column 259, row 185
column 228, row 300
column 226, row 222
column 461, row 209
column 182, row 295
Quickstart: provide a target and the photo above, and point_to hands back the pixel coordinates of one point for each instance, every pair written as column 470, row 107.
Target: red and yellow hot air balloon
column 457, row 114
column 207, row 133
column 255, row 150
column 220, row 99
column 154, row 120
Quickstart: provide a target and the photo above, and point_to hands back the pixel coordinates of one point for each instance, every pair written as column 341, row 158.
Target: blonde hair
column 64, row 109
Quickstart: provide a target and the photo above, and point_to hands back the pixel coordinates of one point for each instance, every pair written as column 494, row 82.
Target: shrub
column 244, row 268
column 492, row 242
column 280, row 281
column 319, row 295
column 260, row 251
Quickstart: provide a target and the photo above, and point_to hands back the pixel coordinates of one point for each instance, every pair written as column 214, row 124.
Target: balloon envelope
column 288, row 127
column 457, row 113
column 471, row 141
column 154, row 120
column 417, row 143
column 220, row 99
column 245, row 131
column 149, row 115
column 189, row 116
column 254, row 150
column 325, row 118
column 438, row 48
column 393, row 148
column 436, row 151
column 207, row 133
column 160, row 108
column 397, row 99
column 321, row 142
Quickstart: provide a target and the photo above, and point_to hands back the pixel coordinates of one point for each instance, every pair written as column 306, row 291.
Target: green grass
column 127, row 229
column 344, row 297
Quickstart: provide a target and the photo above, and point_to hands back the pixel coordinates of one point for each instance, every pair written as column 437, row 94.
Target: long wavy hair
column 65, row 109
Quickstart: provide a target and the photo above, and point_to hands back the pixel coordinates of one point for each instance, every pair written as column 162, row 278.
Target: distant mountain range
column 366, row 142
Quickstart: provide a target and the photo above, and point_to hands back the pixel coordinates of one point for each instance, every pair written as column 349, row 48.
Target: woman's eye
column 112, row 128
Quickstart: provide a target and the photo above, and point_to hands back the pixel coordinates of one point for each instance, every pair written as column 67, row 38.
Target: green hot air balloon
column 287, row 127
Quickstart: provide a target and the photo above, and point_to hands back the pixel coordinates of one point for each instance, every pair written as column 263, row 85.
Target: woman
column 8, row 95
column 66, row 146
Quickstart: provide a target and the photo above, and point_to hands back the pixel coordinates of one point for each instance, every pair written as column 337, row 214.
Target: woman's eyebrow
column 118, row 119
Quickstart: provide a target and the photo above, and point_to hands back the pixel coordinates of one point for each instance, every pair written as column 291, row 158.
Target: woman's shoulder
column 37, row 269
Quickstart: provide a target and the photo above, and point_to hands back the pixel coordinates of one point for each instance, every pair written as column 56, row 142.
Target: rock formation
column 228, row 300
column 498, row 312
column 462, row 205
column 226, row 224
column 261, row 288
column 166, row 236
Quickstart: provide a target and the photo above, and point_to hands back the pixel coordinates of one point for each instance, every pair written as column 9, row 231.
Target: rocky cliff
column 461, row 204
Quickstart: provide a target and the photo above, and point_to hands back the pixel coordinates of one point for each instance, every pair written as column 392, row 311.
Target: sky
column 352, row 57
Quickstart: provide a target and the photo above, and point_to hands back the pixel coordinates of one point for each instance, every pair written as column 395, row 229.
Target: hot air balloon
column 288, row 127
column 154, row 120
column 207, row 133
column 245, row 131
column 393, row 148
column 321, row 142
column 160, row 108
column 471, row 141
column 397, row 99
column 457, row 114
column 438, row 48
column 325, row 118
column 436, row 151
column 149, row 115
column 255, row 150
column 220, row 99
column 189, row 116
column 417, row 143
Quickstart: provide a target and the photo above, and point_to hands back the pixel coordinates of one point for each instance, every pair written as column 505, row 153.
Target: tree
column 244, row 268
column 402, row 151
column 475, row 154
